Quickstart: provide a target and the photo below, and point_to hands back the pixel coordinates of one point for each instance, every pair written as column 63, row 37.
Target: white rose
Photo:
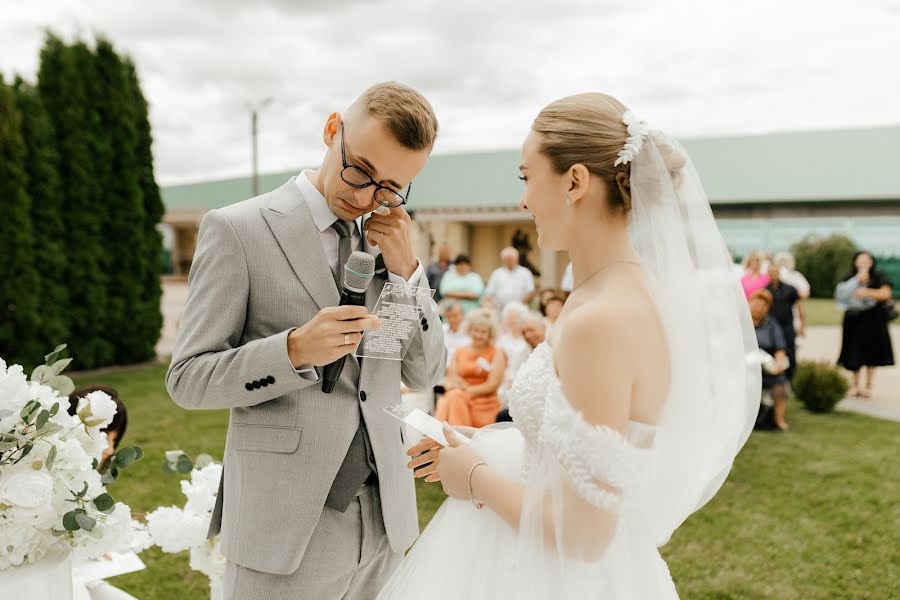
column 26, row 487
column 103, row 409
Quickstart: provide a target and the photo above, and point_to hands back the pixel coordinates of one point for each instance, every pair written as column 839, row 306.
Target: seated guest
column 463, row 284
column 534, row 331
column 115, row 431
column 474, row 375
column 551, row 309
column 770, row 338
column 454, row 336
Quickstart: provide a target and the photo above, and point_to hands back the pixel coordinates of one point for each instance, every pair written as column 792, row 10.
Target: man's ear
column 332, row 126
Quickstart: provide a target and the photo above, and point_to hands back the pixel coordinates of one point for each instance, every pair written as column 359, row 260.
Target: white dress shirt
column 324, row 219
column 507, row 286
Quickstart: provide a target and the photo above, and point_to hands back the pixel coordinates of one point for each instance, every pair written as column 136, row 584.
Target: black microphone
column 358, row 273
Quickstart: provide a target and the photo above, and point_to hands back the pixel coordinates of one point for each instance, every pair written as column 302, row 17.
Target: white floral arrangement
column 52, row 498
column 176, row 529
column 637, row 131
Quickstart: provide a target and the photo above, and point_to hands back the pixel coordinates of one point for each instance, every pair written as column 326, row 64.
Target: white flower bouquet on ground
column 176, row 529
column 52, row 498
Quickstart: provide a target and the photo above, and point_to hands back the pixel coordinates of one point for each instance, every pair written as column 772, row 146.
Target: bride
column 630, row 415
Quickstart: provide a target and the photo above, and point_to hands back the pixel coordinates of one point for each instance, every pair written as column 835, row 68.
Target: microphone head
column 358, row 271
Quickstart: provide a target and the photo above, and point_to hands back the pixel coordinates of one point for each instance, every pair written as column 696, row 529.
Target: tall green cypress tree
column 19, row 322
column 151, row 319
column 123, row 206
column 65, row 78
column 45, row 191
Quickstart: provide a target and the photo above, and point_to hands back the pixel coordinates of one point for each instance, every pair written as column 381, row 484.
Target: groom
column 315, row 500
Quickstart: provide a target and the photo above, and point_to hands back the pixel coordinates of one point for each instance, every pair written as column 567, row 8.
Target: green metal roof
column 816, row 165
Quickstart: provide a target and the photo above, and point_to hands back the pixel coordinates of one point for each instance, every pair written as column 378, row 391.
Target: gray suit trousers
column 348, row 558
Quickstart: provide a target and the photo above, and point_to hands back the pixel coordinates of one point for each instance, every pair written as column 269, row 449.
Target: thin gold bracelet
column 476, row 503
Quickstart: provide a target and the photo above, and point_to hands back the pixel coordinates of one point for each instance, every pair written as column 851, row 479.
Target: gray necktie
column 343, row 230
column 357, row 465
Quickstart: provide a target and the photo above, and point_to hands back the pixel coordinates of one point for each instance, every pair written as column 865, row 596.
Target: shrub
column 819, row 386
column 823, row 261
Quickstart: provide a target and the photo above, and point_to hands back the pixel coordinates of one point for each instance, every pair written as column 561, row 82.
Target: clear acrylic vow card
column 399, row 308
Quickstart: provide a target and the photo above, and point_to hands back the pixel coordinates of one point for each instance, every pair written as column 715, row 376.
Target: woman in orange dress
column 474, row 376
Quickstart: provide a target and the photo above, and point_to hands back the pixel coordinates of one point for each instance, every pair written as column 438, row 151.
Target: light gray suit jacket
column 260, row 271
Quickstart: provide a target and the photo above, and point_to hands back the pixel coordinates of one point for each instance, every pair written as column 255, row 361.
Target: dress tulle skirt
column 471, row 554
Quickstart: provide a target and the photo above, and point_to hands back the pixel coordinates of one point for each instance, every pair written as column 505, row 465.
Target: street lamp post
column 254, row 118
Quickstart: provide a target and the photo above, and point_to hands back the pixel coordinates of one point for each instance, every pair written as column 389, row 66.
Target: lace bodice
column 604, row 466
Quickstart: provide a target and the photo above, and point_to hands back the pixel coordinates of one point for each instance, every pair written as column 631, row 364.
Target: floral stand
column 47, row 579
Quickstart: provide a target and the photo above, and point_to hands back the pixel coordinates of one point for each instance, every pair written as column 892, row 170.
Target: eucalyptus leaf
column 140, row 453
column 125, row 457
column 85, row 522
column 168, row 470
column 82, row 492
column 51, row 457
column 59, row 366
column 61, row 384
column 184, row 464
column 69, row 521
column 50, row 358
column 107, row 478
column 94, row 463
column 4, row 506
column 93, row 422
column 104, row 502
column 42, row 419
column 54, row 409
column 5, row 446
column 39, row 373
column 26, row 450
column 28, row 410
column 50, row 429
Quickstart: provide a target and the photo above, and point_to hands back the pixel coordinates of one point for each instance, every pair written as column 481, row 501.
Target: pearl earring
column 569, row 201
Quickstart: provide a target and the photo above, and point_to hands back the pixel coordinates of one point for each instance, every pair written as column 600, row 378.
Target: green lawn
column 822, row 311
column 805, row 515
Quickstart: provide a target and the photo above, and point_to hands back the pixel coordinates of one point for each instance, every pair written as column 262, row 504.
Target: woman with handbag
column 865, row 296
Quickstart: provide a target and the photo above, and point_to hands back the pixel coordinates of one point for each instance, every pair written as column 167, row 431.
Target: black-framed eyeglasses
column 355, row 177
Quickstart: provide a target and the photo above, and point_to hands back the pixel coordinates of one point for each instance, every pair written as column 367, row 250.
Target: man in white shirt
column 511, row 282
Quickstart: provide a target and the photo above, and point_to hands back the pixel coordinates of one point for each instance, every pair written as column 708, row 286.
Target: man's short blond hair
column 406, row 112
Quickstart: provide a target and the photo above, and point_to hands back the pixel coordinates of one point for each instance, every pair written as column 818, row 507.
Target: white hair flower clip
column 637, row 129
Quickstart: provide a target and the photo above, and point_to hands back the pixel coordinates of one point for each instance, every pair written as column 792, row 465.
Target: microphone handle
column 332, row 371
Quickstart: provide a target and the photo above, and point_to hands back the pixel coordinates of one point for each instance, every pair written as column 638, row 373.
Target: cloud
column 694, row 68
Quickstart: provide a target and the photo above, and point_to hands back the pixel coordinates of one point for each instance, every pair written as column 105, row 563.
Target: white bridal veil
column 581, row 474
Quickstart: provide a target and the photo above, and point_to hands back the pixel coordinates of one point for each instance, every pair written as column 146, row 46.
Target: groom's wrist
column 295, row 350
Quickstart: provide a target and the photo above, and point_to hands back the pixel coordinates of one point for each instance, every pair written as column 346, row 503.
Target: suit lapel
column 292, row 225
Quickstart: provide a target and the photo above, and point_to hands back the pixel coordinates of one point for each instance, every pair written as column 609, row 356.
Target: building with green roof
column 766, row 191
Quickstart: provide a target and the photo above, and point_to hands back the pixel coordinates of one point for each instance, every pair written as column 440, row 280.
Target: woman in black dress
column 864, row 291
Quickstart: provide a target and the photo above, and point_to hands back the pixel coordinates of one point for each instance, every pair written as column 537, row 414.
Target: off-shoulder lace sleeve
column 598, row 460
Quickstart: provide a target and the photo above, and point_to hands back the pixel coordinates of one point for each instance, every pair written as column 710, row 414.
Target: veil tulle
column 708, row 416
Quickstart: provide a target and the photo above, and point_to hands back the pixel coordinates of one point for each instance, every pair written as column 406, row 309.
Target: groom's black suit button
column 362, row 396
column 257, row 384
column 249, row 387
column 270, row 379
column 264, row 382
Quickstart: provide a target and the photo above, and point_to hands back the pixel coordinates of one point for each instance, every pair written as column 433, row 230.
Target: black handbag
column 890, row 311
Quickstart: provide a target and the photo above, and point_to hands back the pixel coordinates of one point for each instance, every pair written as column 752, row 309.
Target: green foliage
column 123, row 204
column 47, row 228
column 823, row 261
column 82, row 259
column 819, row 385
column 148, row 313
column 19, row 281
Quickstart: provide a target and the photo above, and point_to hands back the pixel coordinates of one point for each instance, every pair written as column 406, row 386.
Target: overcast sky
column 704, row 67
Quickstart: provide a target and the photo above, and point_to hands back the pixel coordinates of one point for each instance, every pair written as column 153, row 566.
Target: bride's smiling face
column 544, row 196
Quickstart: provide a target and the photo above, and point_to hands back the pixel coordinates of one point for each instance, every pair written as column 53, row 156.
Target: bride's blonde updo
column 587, row 129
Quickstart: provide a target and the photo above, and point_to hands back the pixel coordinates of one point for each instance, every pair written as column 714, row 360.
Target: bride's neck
column 593, row 252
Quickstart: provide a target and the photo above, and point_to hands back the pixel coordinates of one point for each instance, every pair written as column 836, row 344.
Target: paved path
column 822, row 343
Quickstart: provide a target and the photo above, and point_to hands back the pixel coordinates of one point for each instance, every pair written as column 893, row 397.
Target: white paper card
column 423, row 423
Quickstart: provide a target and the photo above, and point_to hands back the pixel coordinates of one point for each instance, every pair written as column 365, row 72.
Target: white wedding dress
column 466, row 553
